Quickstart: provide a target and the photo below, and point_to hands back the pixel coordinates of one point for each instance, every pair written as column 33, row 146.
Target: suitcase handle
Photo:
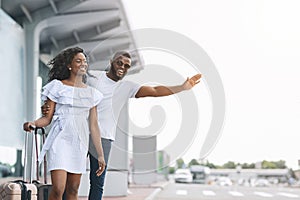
column 25, row 194
column 37, row 153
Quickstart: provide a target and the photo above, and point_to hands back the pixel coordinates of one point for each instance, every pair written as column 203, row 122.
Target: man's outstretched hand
column 191, row 82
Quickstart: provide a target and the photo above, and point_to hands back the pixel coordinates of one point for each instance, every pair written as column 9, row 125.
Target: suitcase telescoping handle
column 37, row 153
column 27, row 155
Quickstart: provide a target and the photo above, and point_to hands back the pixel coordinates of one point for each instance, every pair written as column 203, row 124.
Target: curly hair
column 59, row 63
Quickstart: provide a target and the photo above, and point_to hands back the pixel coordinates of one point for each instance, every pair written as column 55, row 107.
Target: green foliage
column 292, row 173
column 273, row 164
column 229, row 165
column 268, row 165
column 171, row 170
column 180, row 163
column 193, row 162
column 210, row 165
column 232, row 165
column 281, row 164
column 248, row 166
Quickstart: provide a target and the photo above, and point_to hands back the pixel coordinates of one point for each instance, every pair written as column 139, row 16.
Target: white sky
column 255, row 46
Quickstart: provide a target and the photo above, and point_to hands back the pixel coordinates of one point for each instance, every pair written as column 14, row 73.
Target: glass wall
column 12, row 83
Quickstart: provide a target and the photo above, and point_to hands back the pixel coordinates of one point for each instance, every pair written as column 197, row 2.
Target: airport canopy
column 100, row 27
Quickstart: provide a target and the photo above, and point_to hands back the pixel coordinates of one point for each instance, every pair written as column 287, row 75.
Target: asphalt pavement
column 138, row 192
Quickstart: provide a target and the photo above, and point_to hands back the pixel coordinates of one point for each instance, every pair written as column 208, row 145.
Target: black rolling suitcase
column 43, row 187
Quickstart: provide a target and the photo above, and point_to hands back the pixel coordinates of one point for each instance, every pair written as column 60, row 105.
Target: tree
column 180, row 163
column 248, row 166
column 171, row 170
column 229, row 165
column 193, row 162
column 273, row 164
column 268, row 165
column 281, row 164
column 211, row 165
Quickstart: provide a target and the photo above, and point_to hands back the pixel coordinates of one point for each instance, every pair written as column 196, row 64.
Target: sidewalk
column 138, row 192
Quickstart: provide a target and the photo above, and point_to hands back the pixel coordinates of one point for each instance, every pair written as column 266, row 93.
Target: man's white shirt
column 115, row 96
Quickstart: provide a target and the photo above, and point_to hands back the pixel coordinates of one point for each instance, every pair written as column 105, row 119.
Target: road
column 214, row 192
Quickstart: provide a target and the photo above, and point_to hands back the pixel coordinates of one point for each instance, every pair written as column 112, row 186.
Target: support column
column 31, row 73
column 144, row 160
column 116, row 181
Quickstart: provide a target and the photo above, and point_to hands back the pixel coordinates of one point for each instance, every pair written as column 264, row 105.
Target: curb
column 153, row 194
column 156, row 191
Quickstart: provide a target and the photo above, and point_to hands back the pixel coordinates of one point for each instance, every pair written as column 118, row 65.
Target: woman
column 74, row 114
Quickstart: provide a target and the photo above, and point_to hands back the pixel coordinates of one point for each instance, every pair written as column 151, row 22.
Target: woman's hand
column 102, row 165
column 28, row 126
column 45, row 108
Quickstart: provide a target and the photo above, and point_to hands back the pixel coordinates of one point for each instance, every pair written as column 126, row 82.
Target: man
column 116, row 93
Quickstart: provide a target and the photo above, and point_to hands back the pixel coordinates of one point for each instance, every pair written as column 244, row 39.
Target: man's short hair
column 121, row 53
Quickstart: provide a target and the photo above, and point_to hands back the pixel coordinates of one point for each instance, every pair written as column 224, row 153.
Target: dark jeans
column 97, row 182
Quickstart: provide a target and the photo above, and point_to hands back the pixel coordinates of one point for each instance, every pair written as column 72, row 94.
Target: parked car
column 261, row 182
column 200, row 173
column 4, row 171
column 183, row 176
column 224, row 181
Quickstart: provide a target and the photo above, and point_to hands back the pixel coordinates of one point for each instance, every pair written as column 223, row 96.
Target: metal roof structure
column 100, row 27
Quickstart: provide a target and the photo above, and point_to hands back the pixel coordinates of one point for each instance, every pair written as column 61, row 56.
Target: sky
column 255, row 46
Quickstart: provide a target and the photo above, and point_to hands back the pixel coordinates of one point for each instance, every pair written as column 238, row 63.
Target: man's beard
column 114, row 72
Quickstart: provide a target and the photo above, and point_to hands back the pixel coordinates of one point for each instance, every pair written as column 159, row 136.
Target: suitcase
column 43, row 189
column 19, row 189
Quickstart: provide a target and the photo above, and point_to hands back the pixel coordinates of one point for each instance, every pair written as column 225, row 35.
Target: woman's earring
column 70, row 68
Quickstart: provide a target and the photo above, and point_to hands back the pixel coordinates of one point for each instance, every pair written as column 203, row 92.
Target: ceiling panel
column 94, row 25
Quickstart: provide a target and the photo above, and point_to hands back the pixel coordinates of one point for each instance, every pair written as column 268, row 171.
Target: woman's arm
column 96, row 137
column 44, row 120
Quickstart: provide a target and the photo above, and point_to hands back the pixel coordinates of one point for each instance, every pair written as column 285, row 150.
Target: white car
column 4, row 171
column 183, row 176
column 224, row 181
column 261, row 183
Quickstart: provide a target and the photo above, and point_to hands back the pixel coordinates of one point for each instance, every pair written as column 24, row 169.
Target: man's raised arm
column 159, row 91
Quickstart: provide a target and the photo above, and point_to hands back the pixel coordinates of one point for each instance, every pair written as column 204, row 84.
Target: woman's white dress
column 67, row 142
